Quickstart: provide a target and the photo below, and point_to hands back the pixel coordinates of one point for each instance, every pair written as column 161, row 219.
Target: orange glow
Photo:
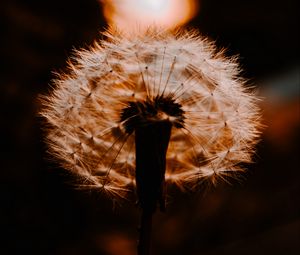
column 128, row 15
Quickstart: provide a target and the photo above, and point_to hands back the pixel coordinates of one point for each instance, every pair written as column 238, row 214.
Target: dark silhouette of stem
column 144, row 243
column 151, row 142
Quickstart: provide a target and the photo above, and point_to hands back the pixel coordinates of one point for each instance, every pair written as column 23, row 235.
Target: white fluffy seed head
column 221, row 117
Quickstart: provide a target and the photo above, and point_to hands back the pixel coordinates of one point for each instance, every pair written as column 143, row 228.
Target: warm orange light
column 129, row 15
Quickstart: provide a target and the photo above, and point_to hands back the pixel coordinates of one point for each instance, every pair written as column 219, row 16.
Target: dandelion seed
column 139, row 113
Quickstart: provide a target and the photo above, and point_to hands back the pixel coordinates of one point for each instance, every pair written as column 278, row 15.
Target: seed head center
column 150, row 111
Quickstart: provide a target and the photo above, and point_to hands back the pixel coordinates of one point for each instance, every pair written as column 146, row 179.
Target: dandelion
column 154, row 109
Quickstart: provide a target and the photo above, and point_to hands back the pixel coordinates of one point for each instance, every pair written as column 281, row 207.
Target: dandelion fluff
column 125, row 85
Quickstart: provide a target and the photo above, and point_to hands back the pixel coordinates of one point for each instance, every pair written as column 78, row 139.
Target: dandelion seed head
column 122, row 83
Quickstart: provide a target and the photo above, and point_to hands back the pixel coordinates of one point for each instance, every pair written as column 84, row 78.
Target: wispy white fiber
column 221, row 117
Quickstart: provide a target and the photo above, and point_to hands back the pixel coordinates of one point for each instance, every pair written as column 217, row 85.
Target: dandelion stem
column 151, row 142
column 144, row 244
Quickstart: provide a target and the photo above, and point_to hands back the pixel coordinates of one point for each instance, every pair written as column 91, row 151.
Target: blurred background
column 42, row 213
